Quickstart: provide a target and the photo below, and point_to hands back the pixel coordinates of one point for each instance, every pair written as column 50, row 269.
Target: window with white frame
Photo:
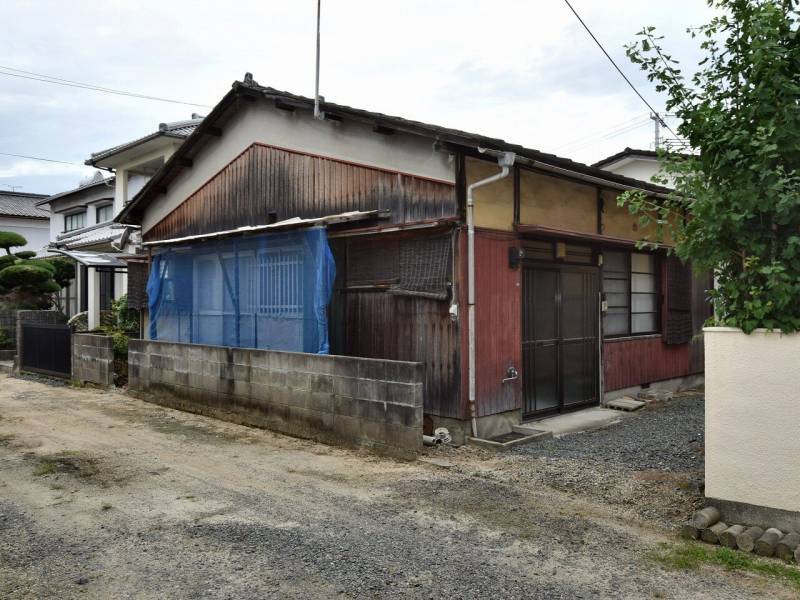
column 74, row 221
column 630, row 285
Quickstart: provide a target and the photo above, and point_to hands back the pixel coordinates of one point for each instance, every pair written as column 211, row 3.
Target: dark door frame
column 597, row 354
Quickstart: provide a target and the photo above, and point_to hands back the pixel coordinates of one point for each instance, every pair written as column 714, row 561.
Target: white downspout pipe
column 505, row 160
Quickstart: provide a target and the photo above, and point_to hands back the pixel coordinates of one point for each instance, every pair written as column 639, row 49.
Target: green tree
column 736, row 205
column 28, row 282
column 9, row 239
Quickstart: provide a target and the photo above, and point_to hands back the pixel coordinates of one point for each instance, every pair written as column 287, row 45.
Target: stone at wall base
column 751, row 514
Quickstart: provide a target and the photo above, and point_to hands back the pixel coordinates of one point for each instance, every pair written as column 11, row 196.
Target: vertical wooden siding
column 383, row 325
column 264, row 179
column 634, row 361
column 498, row 327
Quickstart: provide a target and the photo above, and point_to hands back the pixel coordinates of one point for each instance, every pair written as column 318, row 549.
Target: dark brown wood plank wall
column 384, row 325
column 265, row 179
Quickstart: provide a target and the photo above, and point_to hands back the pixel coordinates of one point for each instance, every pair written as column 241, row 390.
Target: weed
column 66, row 462
column 690, row 556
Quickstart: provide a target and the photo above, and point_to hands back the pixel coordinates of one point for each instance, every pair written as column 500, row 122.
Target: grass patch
column 690, row 556
column 66, row 462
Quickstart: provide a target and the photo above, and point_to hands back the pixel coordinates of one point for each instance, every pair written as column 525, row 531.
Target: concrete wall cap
column 737, row 330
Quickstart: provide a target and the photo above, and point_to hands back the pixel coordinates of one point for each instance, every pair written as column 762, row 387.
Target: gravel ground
column 667, row 437
column 650, row 463
column 103, row 496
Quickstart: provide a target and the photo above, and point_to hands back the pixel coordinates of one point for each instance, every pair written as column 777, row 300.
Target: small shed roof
column 94, row 259
column 293, row 223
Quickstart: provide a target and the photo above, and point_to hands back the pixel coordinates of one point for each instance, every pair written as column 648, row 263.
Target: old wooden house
column 566, row 309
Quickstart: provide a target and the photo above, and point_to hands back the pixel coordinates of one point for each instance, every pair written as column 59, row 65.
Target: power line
column 88, row 86
column 622, row 126
column 52, row 160
column 625, row 77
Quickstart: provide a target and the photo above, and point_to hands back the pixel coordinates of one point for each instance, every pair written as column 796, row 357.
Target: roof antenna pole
column 318, row 114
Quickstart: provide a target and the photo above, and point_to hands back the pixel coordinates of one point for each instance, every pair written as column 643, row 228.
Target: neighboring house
column 639, row 164
column 19, row 213
column 239, row 220
column 82, row 227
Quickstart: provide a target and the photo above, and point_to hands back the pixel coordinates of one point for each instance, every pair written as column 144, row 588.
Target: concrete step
column 625, row 403
column 518, row 436
column 6, row 367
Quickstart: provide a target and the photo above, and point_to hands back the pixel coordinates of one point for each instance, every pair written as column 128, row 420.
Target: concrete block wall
column 355, row 402
column 34, row 316
column 93, row 358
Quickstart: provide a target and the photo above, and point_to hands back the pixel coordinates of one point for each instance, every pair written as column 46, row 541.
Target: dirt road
column 104, row 496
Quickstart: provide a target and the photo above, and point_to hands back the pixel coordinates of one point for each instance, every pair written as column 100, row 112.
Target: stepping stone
column 625, row 403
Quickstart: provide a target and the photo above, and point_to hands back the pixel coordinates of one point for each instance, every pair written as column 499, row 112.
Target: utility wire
column 52, row 160
column 636, row 121
column 625, row 77
column 88, row 86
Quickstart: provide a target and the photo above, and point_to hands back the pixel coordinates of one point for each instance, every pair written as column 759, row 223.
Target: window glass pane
column 75, row 221
column 104, row 213
column 615, row 286
column 643, row 323
column 615, row 261
column 643, row 263
column 643, row 283
column 615, row 322
column 617, row 300
column 644, row 303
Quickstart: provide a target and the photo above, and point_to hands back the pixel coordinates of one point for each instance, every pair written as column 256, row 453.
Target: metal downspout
column 505, row 160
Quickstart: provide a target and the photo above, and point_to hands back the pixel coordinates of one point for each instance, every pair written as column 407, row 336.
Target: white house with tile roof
column 20, row 214
column 81, row 224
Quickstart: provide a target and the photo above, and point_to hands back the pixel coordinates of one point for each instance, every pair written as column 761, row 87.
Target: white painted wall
column 752, row 417
column 640, row 168
column 298, row 130
column 36, row 231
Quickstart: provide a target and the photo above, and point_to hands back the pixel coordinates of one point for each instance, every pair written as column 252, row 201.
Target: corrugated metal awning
column 293, row 223
column 94, row 259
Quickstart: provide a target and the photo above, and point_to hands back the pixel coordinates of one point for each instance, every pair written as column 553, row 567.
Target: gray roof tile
column 18, row 204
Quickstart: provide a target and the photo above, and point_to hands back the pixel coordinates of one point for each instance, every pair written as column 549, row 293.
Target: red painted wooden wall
column 498, row 327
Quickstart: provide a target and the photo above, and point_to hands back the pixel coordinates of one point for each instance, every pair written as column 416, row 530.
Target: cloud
column 526, row 72
column 26, row 167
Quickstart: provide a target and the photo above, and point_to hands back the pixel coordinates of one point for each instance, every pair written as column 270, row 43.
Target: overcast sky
column 524, row 71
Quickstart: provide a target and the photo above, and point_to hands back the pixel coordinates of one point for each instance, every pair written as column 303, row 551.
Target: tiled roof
column 18, row 204
column 109, row 182
column 444, row 135
column 89, row 236
column 176, row 129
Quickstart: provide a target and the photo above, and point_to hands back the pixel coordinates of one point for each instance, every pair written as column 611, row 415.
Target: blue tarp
column 269, row 291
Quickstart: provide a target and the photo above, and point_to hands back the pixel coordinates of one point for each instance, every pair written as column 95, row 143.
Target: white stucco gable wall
column 345, row 140
column 35, row 231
